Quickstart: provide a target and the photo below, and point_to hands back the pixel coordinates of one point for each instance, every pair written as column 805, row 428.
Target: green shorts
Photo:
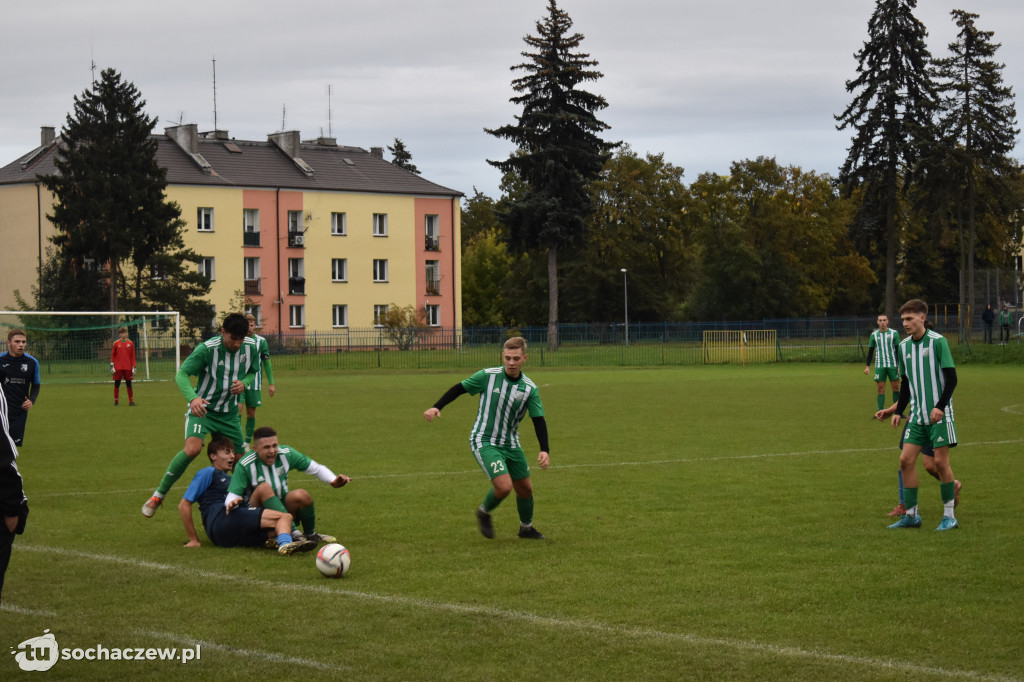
column 939, row 435
column 496, row 460
column 226, row 424
column 887, row 374
column 251, row 397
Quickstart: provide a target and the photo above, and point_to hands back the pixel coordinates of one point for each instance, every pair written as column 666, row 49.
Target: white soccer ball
column 333, row 560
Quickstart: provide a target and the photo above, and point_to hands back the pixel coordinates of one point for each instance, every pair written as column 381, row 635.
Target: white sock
column 947, row 509
column 912, row 511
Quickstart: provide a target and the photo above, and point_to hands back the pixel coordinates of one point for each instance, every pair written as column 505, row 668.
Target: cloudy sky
column 704, row 82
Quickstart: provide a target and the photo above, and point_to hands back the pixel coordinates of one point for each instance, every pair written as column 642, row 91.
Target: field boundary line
column 548, row 621
column 236, row 651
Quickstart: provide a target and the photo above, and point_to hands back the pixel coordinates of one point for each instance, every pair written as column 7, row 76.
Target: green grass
column 703, row 523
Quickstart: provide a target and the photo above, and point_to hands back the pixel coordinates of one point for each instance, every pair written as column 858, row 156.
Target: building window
column 339, row 224
column 251, row 275
column 297, row 316
column 206, row 268
column 433, row 314
column 157, row 272
column 205, row 217
column 433, row 278
column 296, row 235
column 432, row 233
column 251, row 227
column 380, row 269
column 339, row 269
column 296, row 277
column 257, row 312
column 379, row 312
column 380, row 224
column 340, row 315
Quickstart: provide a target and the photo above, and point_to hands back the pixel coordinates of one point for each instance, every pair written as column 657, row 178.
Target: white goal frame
column 173, row 314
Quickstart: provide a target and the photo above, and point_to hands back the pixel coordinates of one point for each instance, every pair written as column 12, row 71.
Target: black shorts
column 240, row 528
column 16, row 420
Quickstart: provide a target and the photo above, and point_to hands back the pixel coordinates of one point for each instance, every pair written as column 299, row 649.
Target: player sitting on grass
column 262, row 477
column 233, row 527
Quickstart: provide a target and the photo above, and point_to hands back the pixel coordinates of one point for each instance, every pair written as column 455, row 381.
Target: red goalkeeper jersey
column 123, row 355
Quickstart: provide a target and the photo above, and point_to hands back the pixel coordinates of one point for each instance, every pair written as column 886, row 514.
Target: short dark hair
column 16, row 332
column 263, row 432
column 236, row 325
column 218, row 444
column 914, row 305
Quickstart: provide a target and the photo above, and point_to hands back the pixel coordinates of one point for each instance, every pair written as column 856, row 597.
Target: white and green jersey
column 251, row 471
column 885, row 344
column 921, row 362
column 262, row 362
column 216, row 367
column 503, row 404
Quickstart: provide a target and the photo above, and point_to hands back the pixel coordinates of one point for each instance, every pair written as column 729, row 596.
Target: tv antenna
column 215, row 92
column 330, row 131
column 284, row 109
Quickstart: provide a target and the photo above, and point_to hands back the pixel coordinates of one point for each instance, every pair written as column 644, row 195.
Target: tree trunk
column 553, row 298
column 971, row 300
column 891, row 239
column 113, row 285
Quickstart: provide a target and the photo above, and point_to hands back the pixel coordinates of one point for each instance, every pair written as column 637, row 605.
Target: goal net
column 740, row 347
column 76, row 346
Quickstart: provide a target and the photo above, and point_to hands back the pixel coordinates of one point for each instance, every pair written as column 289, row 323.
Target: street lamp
column 625, row 306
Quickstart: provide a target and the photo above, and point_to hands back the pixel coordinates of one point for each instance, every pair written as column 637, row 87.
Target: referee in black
column 13, row 503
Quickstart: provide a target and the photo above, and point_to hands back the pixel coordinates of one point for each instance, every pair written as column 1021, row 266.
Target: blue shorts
column 240, row 528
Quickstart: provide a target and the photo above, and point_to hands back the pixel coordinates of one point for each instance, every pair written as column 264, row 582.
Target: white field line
column 590, row 465
column 244, row 653
column 26, row 612
column 205, row 577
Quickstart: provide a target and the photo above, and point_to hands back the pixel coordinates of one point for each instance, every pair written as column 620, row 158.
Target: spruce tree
column 109, row 204
column 977, row 131
column 402, row 158
column 558, row 151
column 891, row 114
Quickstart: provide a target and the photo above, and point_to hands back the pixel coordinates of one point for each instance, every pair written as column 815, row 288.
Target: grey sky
column 705, row 83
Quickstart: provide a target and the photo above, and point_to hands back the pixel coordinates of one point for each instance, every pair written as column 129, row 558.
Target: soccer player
column 225, row 366
column 122, row 364
column 929, row 378
column 882, row 348
column 253, row 398
column 243, row 527
column 21, row 386
column 1004, row 325
column 262, row 476
column 506, row 396
column 13, row 503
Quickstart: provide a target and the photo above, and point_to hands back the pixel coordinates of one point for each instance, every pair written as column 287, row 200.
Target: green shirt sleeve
column 945, row 357
column 268, row 371
column 296, row 460
column 534, row 405
column 476, row 383
column 239, row 481
column 193, row 365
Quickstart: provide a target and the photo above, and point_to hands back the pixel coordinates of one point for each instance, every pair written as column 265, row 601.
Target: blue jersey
column 209, row 487
column 19, row 375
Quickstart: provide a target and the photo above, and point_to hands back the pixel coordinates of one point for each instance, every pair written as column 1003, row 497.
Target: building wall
column 25, row 235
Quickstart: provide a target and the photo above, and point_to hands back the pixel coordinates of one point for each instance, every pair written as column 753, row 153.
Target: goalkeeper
column 122, row 365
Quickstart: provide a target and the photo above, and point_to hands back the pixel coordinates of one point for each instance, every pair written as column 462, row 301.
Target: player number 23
column 498, row 467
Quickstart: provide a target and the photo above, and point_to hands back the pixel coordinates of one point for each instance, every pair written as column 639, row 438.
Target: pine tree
column 977, row 132
column 891, row 113
column 109, row 203
column 402, row 158
column 558, row 152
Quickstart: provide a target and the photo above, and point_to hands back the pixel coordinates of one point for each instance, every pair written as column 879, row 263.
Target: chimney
column 48, row 134
column 288, row 142
column 377, row 151
column 185, row 136
column 327, row 141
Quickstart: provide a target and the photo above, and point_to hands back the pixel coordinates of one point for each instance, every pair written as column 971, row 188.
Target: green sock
column 895, row 397
column 250, row 426
column 525, row 507
column 910, row 497
column 948, row 491
column 274, row 503
column 308, row 519
column 881, row 401
column 490, row 502
column 175, row 469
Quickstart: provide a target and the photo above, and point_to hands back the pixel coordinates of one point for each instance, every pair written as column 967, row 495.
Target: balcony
column 252, row 287
column 297, row 286
column 433, row 286
column 433, row 243
column 297, row 239
column 250, row 239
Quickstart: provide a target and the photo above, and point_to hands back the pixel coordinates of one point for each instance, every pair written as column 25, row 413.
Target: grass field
column 702, row 522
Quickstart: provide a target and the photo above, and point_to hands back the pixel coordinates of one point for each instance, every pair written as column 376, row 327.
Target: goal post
column 743, row 347
column 74, row 346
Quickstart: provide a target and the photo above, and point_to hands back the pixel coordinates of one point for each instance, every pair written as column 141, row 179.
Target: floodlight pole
column 625, row 306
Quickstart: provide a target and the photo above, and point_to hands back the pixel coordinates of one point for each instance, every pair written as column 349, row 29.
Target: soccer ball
column 333, row 560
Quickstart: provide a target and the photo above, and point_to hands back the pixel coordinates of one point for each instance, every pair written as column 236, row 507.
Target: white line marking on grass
column 27, row 612
column 1014, row 409
column 244, row 653
column 555, row 623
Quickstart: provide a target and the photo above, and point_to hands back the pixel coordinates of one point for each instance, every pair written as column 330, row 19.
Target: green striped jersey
column 503, row 404
column 884, row 344
column 251, row 471
column 215, row 367
column 262, row 362
column 921, row 362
